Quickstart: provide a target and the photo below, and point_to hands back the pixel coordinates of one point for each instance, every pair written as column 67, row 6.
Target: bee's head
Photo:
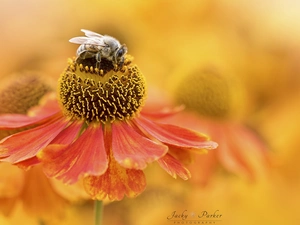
column 121, row 52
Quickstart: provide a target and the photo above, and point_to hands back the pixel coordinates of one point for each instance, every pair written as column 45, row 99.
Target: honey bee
column 99, row 46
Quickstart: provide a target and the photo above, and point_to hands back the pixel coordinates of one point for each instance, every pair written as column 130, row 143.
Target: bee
column 99, row 46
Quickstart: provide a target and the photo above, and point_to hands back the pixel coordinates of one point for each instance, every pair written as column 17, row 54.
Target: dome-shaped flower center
column 205, row 92
column 22, row 92
column 102, row 94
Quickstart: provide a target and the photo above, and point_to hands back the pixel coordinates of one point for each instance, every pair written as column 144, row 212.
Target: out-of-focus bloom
column 17, row 95
column 215, row 105
column 96, row 131
column 29, row 188
column 21, row 92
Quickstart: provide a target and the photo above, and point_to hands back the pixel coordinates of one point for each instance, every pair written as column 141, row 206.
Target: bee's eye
column 120, row 52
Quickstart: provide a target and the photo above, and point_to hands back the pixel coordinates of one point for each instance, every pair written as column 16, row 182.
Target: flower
column 17, row 95
column 215, row 105
column 95, row 131
column 29, row 187
column 20, row 92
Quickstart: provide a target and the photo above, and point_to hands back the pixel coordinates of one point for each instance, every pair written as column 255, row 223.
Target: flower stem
column 98, row 212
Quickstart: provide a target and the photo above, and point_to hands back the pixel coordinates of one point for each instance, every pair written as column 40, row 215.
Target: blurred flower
column 20, row 92
column 29, row 188
column 17, row 95
column 216, row 104
column 95, row 131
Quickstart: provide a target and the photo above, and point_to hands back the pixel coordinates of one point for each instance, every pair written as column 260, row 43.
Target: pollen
column 102, row 95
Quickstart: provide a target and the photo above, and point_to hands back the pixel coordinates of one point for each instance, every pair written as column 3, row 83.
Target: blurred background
column 232, row 63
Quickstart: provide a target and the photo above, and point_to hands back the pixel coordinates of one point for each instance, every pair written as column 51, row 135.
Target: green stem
column 98, row 212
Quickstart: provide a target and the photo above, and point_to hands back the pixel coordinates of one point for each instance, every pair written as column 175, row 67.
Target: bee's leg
column 98, row 59
column 82, row 55
column 121, row 63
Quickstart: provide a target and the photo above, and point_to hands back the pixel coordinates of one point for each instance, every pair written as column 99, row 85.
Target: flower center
column 22, row 92
column 102, row 94
column 206, row 92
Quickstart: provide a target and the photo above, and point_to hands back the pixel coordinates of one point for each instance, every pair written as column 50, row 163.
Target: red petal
column 132, row 150
column 12, row 121
column 174, row 135
column 26, row 164
column 174, row 167
column 26, row 144
column 37, row 115
column 86, row 155
column 163, row 113
column 65, row 137
column 115, row 183
column 68, row 135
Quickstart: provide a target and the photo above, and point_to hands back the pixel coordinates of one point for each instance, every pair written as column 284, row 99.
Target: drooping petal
column 165, row 112
column 38, row 195
column 87, row 155
column 115, row 183
column 242, row 152
column 174, row 167
column 67, row 136
column 131, row 150
column 174, row 135
column 28, row 163
column 11, row 185
column 26, row 144
column 37, row 115
column 13, row 121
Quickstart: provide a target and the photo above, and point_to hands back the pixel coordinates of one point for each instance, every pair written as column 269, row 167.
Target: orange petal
column 12, row 121
column 174, row 167
column 39, row 197
column 115, row 183
column 11, row 185
column 48, row 109
column 26, row 144
column 163, row 113
column 131, row 150
column 86, row 155
column 68, row 135
column 26, row 164
column 174, row 135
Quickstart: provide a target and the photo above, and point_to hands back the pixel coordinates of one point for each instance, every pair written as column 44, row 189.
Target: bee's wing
column 79, row 40
column 89, row 33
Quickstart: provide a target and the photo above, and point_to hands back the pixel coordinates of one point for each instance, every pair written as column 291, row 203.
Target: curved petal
column 26, row 144
column 11, row 186
column 68, row 135
column 115, row 183
column 13, row 121
column 174, row 167
column 87, row 155
column 37, row 115
column 26, row 164
column 242, row 152
column 39, row 197
column 163, row 113
column 131, row 150
column 174, row 135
